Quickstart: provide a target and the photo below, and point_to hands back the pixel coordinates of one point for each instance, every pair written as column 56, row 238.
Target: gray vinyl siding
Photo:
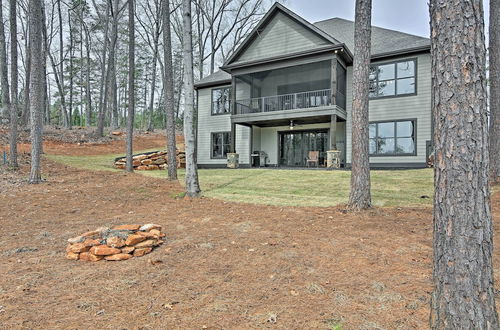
column 243, row 144
column 397, row 108
column 281, row 36
column 256, row 138
column 208, row 124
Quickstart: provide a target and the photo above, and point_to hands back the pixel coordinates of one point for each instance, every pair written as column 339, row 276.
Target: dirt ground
column 82, row 141
column 223, row 266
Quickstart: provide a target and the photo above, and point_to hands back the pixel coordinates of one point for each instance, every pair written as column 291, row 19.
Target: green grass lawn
column 289, row 187
column 312, row 188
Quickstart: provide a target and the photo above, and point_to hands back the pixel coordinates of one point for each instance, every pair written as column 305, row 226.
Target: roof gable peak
column 275, row 9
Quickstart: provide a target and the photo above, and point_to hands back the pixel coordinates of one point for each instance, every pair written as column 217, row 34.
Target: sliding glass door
column 295, row 146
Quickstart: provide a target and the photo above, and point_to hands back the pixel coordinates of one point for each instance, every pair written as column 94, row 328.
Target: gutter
column 212, row 83
column 403, row 52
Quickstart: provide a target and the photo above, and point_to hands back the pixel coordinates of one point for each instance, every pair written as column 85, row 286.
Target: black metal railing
column 304, row 100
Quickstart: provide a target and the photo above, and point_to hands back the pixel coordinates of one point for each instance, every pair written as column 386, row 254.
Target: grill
column 259, row 158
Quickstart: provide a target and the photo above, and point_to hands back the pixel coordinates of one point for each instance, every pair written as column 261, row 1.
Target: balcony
column 303, row 100
column 301, row 93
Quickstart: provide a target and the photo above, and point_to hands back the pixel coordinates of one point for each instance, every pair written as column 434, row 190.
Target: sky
column 410, row 16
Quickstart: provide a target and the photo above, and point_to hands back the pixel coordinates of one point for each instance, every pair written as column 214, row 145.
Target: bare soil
column 81, row 141
column 224, row 265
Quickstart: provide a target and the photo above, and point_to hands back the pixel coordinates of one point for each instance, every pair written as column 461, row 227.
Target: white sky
column 410, row 16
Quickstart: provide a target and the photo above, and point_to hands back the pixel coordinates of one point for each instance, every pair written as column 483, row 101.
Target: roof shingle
column 383, row 40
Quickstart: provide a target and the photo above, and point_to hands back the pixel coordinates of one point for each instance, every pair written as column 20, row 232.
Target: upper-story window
column 220, row 101
column 393, row 79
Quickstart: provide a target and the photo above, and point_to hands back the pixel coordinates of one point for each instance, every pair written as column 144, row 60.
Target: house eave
column 406, row 51
column 340, row 48
column 213, row 84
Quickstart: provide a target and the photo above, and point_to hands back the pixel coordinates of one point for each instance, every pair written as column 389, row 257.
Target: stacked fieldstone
column 151, row 161
column 115, row 244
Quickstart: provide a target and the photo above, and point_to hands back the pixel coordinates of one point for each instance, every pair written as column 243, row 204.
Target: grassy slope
column 313, row 188
column 290, row 187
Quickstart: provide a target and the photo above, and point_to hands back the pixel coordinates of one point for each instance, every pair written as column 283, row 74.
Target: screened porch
column 296, row 87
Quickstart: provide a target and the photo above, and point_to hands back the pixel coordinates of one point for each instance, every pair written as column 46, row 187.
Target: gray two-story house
column 286, row 91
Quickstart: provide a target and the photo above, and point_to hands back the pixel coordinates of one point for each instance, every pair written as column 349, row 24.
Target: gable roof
column 276, row 8
column 338, row 31
column 217, row 78
column 384, row 41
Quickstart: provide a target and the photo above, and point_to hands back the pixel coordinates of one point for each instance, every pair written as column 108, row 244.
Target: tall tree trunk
column 26, row 106
column 88, row 97
column 463, row 296
column 169, row 91
column 71, row 71
column 192, row 184
column 36, row 87
column 359, row 197
column 200, row 29
column 60, row 84
column 4, row 71
column 45, row 45
column 153, row 85
column 14, row 82
column 495, row 90
column 131, row 82
column 112, row 66
column 103, row 94
column 82, row 72
column 60, row 87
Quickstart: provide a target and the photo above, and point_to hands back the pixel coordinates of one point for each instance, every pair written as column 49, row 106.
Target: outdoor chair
column 313, row 158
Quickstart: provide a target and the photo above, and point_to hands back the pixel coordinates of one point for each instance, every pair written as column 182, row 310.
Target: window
column 221, row 144
column 392, row 79
column 220, row 101
column 392, row 138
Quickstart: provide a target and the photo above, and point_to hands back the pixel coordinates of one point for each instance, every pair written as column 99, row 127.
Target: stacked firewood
column 155, row 160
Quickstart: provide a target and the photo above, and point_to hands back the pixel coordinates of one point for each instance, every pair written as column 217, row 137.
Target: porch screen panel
column 284, row 88
column 341, row 86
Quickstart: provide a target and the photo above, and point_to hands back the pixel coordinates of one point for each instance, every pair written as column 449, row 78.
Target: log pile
column 156, row 160
column 115, row 244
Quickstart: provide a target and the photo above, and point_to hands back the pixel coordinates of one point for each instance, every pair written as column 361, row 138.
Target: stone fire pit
column 115, row 244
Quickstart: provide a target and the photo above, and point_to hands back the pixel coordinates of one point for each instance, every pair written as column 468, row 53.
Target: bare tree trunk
column 26, row 106
column 4, row 70
column 112, row 65
column 200, row 24
column 82, row 72
column 169, row 91
column 103, row 95
column 71, row 78
column 463, row 296
column 359, row 197
column 495, row 90
column 36, row 88
column 153, row 85
column 60, row 80
column 46, row 107
column 192, row 184
column 14, row 82
column 88, row 97
column 131, row 82
column 60, row 87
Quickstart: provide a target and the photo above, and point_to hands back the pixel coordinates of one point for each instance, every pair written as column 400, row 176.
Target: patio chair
column 313, row 158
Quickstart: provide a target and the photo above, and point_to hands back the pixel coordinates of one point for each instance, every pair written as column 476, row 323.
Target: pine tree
column 463, row 296
column 359, row 197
